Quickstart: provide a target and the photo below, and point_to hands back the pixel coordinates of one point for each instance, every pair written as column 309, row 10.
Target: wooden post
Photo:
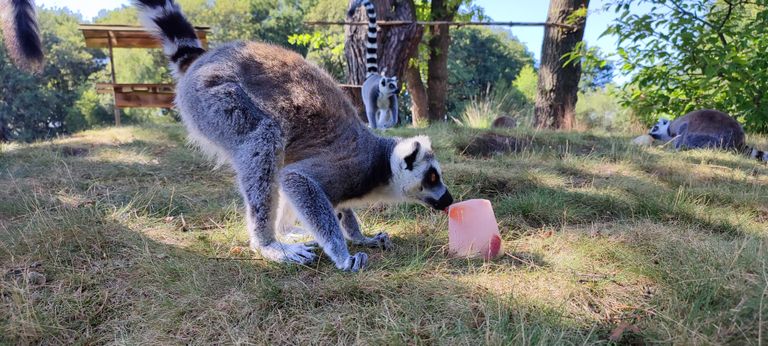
column 114, row 81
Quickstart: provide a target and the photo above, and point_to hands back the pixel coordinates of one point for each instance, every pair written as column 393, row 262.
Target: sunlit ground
column 127, row 235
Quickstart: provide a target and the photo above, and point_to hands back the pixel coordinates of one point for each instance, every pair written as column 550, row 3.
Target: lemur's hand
column 380, row 240
column 354, row 263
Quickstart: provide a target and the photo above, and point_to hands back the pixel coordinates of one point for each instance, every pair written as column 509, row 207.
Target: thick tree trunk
column 418, row 92
column 397, row 44
column 558, row 85
column 439, row 42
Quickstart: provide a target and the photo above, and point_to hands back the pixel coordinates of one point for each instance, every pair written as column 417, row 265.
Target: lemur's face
column 417, row 175
column 388, row 85
column 660, row 130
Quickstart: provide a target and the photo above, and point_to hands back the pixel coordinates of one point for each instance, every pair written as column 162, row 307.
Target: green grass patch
column 125, row 235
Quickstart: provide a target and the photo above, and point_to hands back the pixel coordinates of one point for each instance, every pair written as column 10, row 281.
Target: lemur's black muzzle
column 440, row 204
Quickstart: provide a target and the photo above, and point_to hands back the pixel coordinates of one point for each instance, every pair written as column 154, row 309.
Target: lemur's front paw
column 385, row 242
column 380, row 240
column 354, row 263
column 300, row 253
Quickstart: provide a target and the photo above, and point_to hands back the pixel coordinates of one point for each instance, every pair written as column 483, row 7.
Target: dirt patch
column 74, row 151
column 489, row 144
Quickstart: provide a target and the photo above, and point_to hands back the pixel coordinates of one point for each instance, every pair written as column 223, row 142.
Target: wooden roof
column 128, row 36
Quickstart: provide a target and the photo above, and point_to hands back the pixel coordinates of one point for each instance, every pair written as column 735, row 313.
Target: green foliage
column 526, row 82
column 687, row 55
column 596, row 70
column 49, row 103
column 478, row 58
column 325, row 45
column 601, row 109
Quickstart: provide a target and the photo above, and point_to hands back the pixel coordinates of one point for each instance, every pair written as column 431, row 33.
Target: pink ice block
column 472, row 229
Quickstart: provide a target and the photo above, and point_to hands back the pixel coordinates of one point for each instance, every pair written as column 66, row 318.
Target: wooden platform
column 128, row 36
column 139, row 95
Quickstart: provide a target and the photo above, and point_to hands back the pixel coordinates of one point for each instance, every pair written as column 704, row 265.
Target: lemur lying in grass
column 705, row 129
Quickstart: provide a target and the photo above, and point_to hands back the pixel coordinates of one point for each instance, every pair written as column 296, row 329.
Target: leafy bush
column 684, row 55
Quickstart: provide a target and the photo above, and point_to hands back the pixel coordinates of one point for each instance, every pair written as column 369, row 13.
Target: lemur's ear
column 411, row 158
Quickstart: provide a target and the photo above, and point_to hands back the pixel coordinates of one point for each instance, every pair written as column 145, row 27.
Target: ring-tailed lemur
column 289, row 132
column 379, row 91
column 22, row 38
column 705, row 129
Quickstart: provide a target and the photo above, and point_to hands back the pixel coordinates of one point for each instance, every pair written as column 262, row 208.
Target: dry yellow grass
column 125, row 226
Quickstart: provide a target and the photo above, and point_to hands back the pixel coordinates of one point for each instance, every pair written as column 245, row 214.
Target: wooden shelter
column 127, row 36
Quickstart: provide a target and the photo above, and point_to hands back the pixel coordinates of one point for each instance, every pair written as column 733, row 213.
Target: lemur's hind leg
column 256, row 152
column 256, row 167
column 315, row 212
column 681, row 138
column 351, row 228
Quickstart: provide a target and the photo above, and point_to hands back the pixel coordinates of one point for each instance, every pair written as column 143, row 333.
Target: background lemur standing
column 705, row 129
column 21, row 34
column 290, row 133
column 379, row 92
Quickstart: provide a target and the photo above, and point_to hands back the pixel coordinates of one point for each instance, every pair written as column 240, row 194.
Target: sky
column 498, row 10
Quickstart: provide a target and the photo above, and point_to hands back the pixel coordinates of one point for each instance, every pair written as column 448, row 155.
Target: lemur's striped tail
column 371, row 48
column 758, row 155
column 165, row 19
column 21, row 34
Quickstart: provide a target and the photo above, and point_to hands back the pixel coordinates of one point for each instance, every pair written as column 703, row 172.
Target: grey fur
column 379, row 92
column 290, row 133
column 351, row 228
column 705, row 129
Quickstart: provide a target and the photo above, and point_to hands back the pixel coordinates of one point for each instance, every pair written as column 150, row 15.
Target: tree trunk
column 558, row 85
column 397, row 44
column 419, row 106
column 439, row 42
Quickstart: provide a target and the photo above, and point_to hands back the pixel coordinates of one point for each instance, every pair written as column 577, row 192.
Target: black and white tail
column 21, row 34
column 371, row 48
column 758, row 155
column 165, row 19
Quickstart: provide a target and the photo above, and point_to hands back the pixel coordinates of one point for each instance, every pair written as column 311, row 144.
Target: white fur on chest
column 382, row 102
column 377, row 196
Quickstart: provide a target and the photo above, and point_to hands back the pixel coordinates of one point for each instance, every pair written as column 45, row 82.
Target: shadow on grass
column 106, row 282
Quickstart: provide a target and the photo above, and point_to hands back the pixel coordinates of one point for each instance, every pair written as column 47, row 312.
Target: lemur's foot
column 380, row 240
column 300, row 253
column 354, row 263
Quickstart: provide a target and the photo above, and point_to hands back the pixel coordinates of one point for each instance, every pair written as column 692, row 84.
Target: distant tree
column 596, row 70
column 44, row 105
column 478, row 59
column 559, row 81
column 683, row 55
column 430, row 98
column 526, row 82
column 325, row 44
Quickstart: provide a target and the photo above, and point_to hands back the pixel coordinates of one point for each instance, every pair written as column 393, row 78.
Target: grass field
column 127, row 236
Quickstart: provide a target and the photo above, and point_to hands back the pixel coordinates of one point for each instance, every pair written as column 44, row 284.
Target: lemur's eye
column 656, row 128
column 392, row 86
column 432, row 178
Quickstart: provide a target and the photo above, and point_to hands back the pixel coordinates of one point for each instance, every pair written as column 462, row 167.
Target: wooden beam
column 114, row 81
column 402, row 22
